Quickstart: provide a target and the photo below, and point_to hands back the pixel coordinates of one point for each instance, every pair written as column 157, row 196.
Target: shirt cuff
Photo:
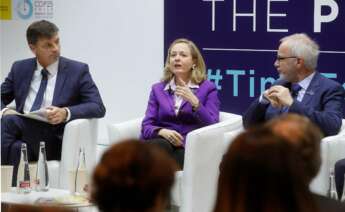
column 68, row 114
column 3, row 111
column 263, row 100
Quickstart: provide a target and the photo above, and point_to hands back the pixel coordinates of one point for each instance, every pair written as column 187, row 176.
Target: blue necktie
column 39, row 97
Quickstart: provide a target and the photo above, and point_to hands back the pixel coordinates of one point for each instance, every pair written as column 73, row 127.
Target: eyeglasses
column 279, row 58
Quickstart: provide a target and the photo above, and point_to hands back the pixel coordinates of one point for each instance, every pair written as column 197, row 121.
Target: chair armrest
column 223, row 116
column 204, row 151
column 78, row 133
column 229, row 138
column 332, row 150
column 125, row 130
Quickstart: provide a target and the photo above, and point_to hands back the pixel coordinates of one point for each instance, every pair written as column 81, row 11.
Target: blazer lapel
column 26, row 82
column 60, row 80
column 312, row 89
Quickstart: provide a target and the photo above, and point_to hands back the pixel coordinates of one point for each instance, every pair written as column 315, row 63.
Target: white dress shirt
column 35, row 85
column 304, row 86
column 49, row 92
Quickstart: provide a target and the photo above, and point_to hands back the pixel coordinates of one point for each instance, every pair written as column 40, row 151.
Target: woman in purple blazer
column 183, row 101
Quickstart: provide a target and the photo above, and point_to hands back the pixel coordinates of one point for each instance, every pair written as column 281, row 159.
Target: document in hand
column 40, row 115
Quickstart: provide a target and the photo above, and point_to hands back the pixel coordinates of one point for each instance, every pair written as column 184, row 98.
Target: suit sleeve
column 91, row 105
column 208, row 112
column 255, row 114
column 149, row 129
column 329, row 119
column 7, row 89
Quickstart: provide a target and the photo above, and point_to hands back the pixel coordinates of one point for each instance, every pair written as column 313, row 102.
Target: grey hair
column 302, row 46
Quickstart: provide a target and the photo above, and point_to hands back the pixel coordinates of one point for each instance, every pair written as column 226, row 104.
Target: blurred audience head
column 260, row 172
column 197, row 68
column 133, row 176
column 304, row 136
column 36, row 208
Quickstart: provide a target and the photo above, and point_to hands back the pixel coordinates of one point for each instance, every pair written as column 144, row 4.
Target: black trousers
column 175, row 152
column 339, row 176
column 16, row 130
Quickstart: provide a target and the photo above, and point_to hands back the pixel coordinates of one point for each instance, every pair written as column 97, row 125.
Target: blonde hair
column 198, row 72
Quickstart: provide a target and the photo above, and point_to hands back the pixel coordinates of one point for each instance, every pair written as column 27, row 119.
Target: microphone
column 170, row 91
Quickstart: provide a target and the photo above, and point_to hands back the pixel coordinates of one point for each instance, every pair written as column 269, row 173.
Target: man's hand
column 187, row 94
column 56, row 115
column 172, row 136
column 273, row 101
column 279, row 96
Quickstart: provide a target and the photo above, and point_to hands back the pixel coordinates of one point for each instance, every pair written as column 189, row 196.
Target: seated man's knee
column 11, row 124
column 10, row 119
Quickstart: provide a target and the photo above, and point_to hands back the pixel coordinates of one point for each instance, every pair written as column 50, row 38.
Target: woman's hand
column 172, row 136
column 187, row 94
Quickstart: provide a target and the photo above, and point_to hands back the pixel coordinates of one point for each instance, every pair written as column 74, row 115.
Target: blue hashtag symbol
column 216, row 78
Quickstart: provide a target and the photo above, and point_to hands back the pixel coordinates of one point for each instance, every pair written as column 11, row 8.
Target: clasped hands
column 279, row 96
column 56, row 115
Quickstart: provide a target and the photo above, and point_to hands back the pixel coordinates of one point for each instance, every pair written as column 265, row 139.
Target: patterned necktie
column 39, row 97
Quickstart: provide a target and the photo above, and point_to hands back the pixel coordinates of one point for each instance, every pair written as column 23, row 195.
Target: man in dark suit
column 305, row 137
column 300, row 89
column 62, row 88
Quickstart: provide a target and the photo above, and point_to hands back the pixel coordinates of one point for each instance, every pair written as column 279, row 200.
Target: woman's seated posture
column 183, row 101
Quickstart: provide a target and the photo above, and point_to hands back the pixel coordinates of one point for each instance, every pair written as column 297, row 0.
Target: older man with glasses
column 300, row 89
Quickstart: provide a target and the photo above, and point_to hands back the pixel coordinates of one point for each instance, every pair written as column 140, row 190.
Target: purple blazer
column 160, row 111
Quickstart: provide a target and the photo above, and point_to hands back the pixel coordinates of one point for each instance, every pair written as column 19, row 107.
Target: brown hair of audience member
column 259, row 172
column 133, row 176
column 304, row 136
column 35, row 208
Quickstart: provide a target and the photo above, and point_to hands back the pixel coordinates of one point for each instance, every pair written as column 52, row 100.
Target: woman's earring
column 193, row 66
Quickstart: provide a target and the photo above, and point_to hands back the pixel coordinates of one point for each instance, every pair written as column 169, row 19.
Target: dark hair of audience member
column 133, row 176
column 260, row 173
column 304, row 136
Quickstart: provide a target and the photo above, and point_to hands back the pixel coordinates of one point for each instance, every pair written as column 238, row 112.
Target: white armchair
column 201, row 151
column 204, row 151
column 124, row 130
column 78, row 133
column 332, row 150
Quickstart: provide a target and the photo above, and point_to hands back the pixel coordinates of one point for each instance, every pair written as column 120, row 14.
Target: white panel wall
column 121, row 40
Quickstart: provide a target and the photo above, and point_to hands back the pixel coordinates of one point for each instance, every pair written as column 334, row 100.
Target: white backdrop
column 121, row 40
